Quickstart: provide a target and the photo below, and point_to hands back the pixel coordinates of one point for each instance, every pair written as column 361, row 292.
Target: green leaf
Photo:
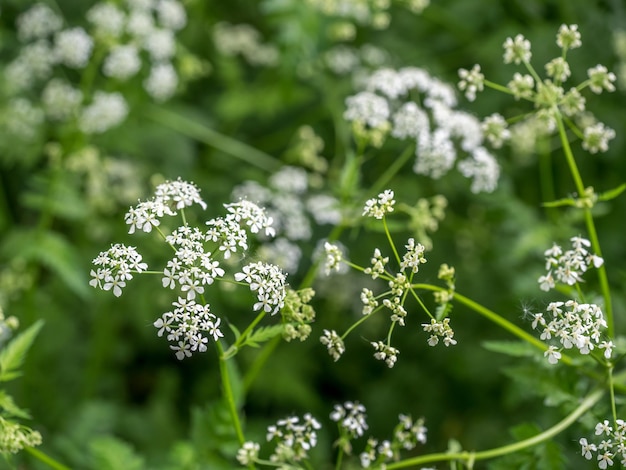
column 263, row 334
column 10, row 408
column 213, row 435
column 235, row 331
column 53, row 251
column 110, row 453
column 612, row 193
column 12, row 356
column 511, row 348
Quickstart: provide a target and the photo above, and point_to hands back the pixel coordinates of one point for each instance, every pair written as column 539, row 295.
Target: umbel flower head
column 195, row 264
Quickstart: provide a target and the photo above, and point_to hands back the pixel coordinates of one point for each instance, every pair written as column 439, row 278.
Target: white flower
column 38, row 22
column 171, row 14
column 160, row 44
column 122, row 62
column 587, row 448
column 368, row 108
column 601, row 79
column 568, row 37
column 162, row 81
column 471, row 82
column 378, row 207
column 107, row 110
column 72, row 47
column 483, row 169
column 409, row 121
column 596, row 138
column 107, row 18
column 60, row 99
column 553, row 354
column 517, row 50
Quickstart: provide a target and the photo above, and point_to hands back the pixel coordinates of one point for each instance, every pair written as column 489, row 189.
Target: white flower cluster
column 439, row 329
column 334, row 344
column 194, row 264
column 185, row 326
column 343, row 60
column 351, row 418
column 574, row 325
column 268, row 281
column 123, row 31
column 442, row 133
column 385, row 352
column 14, row 437
column 567, row 267
column 334, row 257
column 245, row 41
column 380, row 206
column 290, row 205
column 116, row 266
column 170, row 197
column 294, row 439
column 549, row 95
column 407, row 435
column 611, row 447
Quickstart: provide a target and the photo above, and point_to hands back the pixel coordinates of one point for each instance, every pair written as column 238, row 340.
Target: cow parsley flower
column 367, row 108
column 334, row 344
column 567, row 267
column 106, row 111
column 268, row 281
column 38, row 22
column 123, row 62
column 116, row 266
column 472, row 81
column 189, row 326
column 568, row 37
column 162, row 82
column 351, row 418
column 612, row 447
column 596, row 138
column 517, row 50
column 380, row 206
column 61, row 100
column 72, row 47
column 601, row 79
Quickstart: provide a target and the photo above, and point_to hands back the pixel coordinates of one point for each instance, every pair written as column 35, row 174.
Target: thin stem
column 259, row 361
column 589, row 401
column 391, row 170
column 494, row 317
column 591, row 227
column 393, row 246
column 46, row 459
column 228, row 393
column 192, row 128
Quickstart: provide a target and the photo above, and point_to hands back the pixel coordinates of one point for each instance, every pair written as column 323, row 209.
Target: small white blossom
column 601, row 79
column 268, row 281
column 379, row 207
column 162, row 82
column 171, row 14
column 351, row 418
column 38, row 22
column 568, row 37
column 472, row 81
column 60, row 99
column 517, row 50
column 160, row 44
column 368, row 108
column 596, row 138
column 107, row 19
column 334, row 344
column 123, row 62
column 106, row 111
column 72, row 47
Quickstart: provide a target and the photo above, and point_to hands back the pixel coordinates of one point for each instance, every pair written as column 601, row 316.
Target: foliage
column 427, row 196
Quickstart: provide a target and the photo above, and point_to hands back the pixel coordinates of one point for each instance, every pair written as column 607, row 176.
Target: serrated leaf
column 11, row 410
column 235, row 331
column 110, row 453
column 13, row 354
column 263, row 334
column 510, row 348
column 612, row 193
column 52, row 250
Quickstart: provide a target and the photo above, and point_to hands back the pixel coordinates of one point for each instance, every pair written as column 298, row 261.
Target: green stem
column 470, row 457
column 259, row 361
column 194, row 129
column 228, row 393
column 397, row 164
column 591, row 228
column 494, row 317
column 242, row 339
column 391, row 243
column 45, row 459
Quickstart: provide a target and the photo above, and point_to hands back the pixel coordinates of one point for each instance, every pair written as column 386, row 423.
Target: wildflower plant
column 252, row 251
column 199, row 255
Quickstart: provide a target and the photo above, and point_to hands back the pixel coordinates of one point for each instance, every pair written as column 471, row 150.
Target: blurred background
column 262, row 84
